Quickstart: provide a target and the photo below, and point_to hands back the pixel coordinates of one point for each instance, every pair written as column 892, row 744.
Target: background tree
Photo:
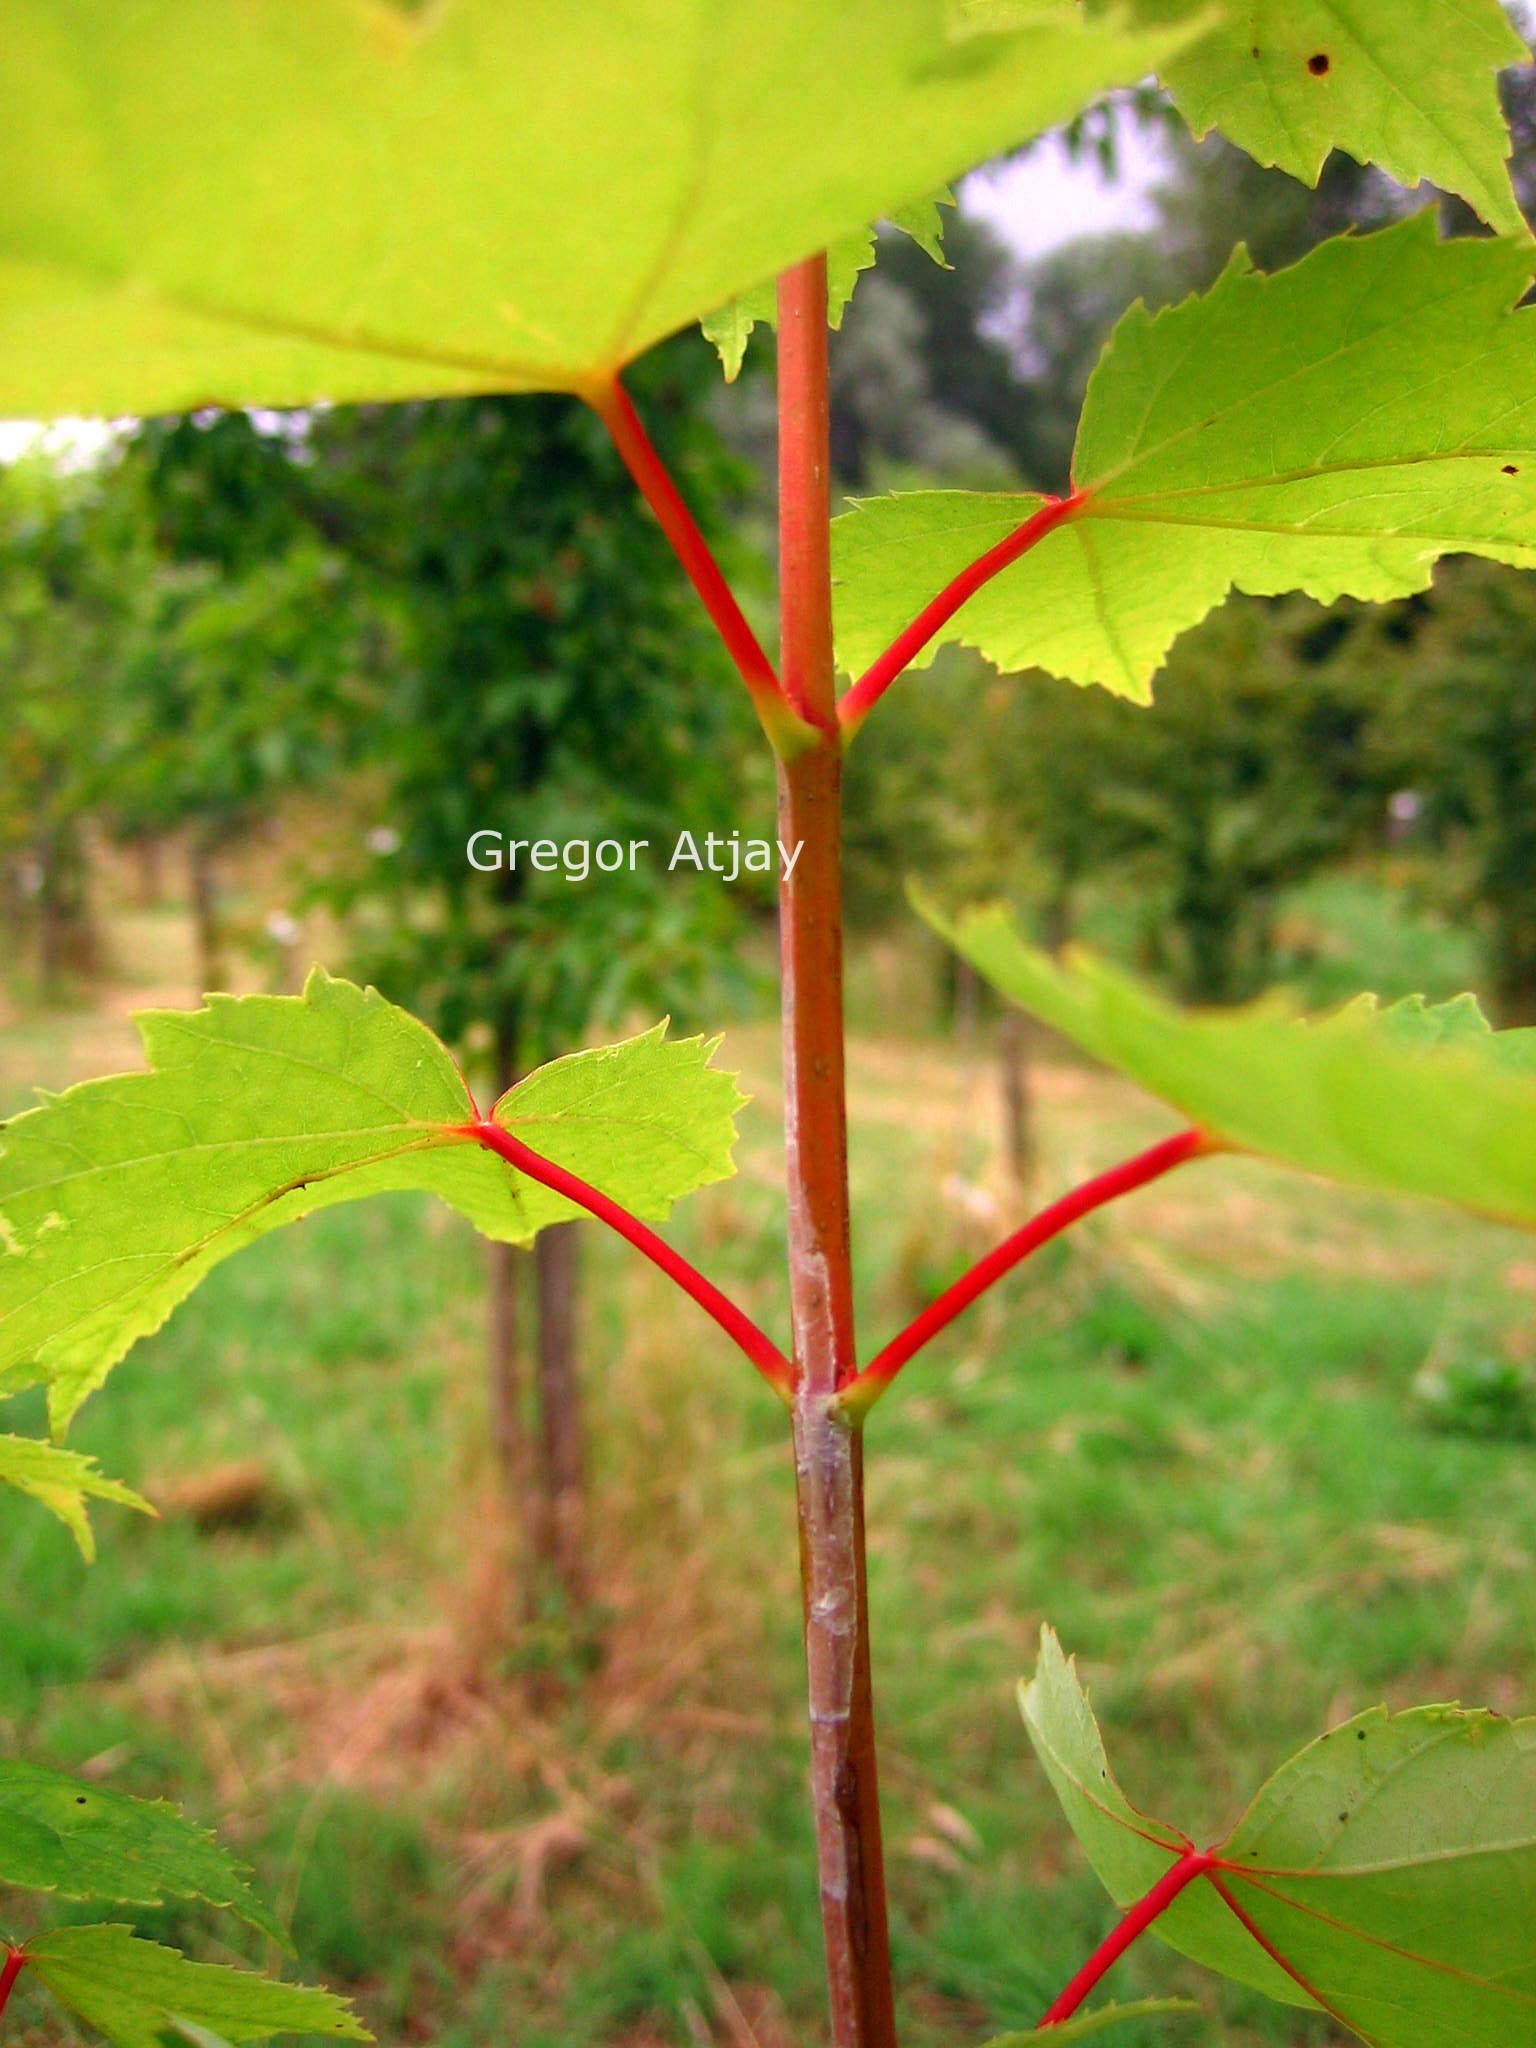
column 1250, row 778
column 1455, row 736
column 1056, row 316
column 549, row 677
column 241, row 681
column 67, row 589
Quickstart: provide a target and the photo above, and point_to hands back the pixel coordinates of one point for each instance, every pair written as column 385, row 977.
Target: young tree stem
column 828, row 1446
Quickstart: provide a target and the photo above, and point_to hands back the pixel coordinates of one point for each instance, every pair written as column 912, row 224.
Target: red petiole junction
column 826, row 1391
column 737, row 1325
column 1187, row 1869
column 788, row 723
column 856, row 703
column 1176, row 1879
column 859, row 1396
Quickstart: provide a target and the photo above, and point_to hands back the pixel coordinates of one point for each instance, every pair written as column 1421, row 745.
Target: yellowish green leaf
column 89, row 1842
column 1412, row 1100
column 138, row 1994
column 237, row 201
column 1384, row 1875
column 1334, row 428
column 1406, row 84
column 63, row 1481
column 119, row 1195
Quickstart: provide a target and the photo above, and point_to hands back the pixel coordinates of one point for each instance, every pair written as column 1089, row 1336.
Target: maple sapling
column 1334, row 428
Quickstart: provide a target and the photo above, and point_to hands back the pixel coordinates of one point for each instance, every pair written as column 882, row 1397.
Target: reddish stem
column 908, row 644
column 613, row 405
column 829, row 1460
column 1082, row 1201
column 1192, row 1864
column 761, row 1349
column 10, row 1970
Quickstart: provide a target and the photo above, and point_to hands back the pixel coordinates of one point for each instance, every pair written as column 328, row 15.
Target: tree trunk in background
column 15, row 904
column 51, row 940
column 1058, row 923
column 66, row 931
column 967, row 999
column 1018, row 1113
column 205, row 912
column 502, row 1350
column 563, row 1551
column 1514, row 967
column 149, row 860
column 1508, row 888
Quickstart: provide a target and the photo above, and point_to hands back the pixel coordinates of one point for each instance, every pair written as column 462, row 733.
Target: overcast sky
column 1047, row 197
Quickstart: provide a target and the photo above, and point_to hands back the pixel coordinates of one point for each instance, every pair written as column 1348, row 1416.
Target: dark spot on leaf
column 1359, row 1735
column 79, row 1799
column 1343, row 1817
column 1511, row 469
column 1319, row 63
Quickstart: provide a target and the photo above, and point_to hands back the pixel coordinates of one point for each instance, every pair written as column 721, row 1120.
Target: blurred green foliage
column 545, row 673
column 65, row 606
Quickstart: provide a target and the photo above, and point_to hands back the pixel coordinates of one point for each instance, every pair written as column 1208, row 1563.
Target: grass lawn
column 1188, row 1438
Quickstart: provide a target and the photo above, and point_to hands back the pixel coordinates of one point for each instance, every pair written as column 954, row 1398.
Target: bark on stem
column 828, row 1445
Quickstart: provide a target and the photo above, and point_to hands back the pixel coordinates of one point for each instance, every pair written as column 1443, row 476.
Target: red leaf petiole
column 15, row 1962
column 854, row 706
column 760, row 1348
column 1134, row 1173
column 1194, row 1863
column 786, row 725
column 1191, row 1865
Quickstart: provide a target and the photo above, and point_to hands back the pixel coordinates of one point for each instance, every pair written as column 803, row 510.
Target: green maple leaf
column 141, row 1995
column 1333, row 428
column 88, row 1842
column 62, row 1481
column 117, row 1196
column 238, row 201
column 1406, row 84
column 1413, row 1100
column 730, row 326
column 1384, row 1875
